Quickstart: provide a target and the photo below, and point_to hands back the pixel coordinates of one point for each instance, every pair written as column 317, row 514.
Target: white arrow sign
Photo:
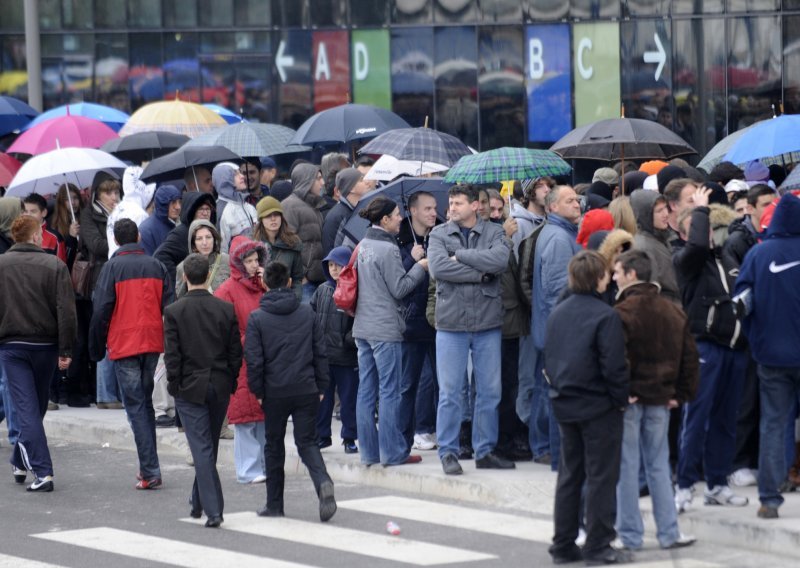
column 658, row 56
column 283, row 61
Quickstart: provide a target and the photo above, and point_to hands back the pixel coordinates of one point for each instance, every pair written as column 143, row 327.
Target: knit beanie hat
column 595, row 220
column 281, row 189
column 756, row 171
column 652, row 167
column 600, row 188
column 668, row 174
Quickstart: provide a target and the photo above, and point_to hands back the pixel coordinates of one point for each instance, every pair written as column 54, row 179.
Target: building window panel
column 456, row 80
column 412, row 74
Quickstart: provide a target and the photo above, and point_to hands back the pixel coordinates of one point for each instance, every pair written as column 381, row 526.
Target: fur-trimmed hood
column 241, row 247
column 721, row 217
column 615, row 239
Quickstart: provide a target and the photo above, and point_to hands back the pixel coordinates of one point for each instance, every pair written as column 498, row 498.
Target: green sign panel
column 370, row 68
column 596, row 72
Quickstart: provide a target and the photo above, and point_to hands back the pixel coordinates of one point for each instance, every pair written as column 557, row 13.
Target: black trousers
column 590, row 452
column 202, row 424
column 747, row 431
column 509, row 425
column 303, row 410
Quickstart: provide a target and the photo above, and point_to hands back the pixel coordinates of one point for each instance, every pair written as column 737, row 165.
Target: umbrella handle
column 69, row 197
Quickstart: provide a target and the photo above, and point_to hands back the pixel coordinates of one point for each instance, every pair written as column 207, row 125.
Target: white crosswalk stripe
column 7, row 561
column 349, row 540
column 682, row 563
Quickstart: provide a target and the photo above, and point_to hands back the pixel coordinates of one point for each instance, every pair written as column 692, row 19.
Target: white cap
column 736, row 185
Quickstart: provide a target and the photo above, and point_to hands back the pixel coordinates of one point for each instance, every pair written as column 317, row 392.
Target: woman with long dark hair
column 282, row 243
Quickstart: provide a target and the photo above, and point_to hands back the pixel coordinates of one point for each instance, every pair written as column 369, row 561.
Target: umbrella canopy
column 145, row 145
column 62, row 132
column 227, row 115
column 767, row 139
column 44, row 173
column 507, row 164
column 14, row 114
column 791, row 183
column 421, row 144
column 173, row 165
column 251, row 139
column 622, row 138
column 399, row 192
column 111, row 117
column 387, row 167
column 717, row 153
column 9, row 166
column 177, row 116
column 346, row 123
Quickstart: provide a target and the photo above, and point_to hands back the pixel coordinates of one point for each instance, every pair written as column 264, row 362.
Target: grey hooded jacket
column 235, row 216
column 655, row 243
column 382, row 283
column 301, row 210
column 465, row 299
column 219, row 269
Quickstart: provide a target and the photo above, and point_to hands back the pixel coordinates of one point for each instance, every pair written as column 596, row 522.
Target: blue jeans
column 135, row 379
column 708, row 436
column 248, row 450
column 645, row 438
column 8, row 409
column 345, row 380
column 539, row 417
column 380, row 367
column 308, row 290
column 417, row 410
column 452, row 351
column 780, row 391
column 107, row 390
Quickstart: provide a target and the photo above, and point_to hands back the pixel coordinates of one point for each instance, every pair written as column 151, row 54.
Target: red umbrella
column 8, row 169
column 62, row 132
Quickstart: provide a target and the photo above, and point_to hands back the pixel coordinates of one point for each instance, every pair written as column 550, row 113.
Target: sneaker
column 226, row 434
column 350, row 446
column 325, row 442
column 683, row 541
column 154, row 483
column 767, row 512
column 683, row 499
column 19, row 474
column 43, row 485
column 581, row 540
column 743, row 477
column 165, row 421
column 450, row 465
column 259, row 479
column 723, row 495
column 424, row 442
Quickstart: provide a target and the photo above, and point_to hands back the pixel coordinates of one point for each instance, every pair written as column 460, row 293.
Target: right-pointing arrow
column 283, row 61
column 658, row 56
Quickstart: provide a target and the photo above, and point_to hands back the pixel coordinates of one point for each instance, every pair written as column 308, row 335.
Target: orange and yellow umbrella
column 176, row 116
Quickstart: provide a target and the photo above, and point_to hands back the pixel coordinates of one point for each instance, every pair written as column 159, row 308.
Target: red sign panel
column 330, row 66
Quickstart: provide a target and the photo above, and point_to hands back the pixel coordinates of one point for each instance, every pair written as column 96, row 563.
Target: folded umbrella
column 505, row 164
column 173, row 165
column 62, row 132
column 421, row 144
column 387, row 168
column 111, row 117
column 145, row 145
column 251, row 139
column 347, row 123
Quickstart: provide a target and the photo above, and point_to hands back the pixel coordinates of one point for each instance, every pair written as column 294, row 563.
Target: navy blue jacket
column 155, row 228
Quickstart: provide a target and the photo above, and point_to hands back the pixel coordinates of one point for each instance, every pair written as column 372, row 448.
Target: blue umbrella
column 767, row 139
column 111, row 117
column 399, row 191
column 347, row 123
column 228, row 115
column 14, row 114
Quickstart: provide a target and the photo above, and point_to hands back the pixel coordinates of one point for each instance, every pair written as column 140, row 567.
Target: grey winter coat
column 465, row 300
column 301, row 210
column 382, row 283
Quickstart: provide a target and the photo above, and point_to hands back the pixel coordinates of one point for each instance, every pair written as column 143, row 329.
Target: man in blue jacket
column 767, row 287
column 555, row 247
column 155, row 228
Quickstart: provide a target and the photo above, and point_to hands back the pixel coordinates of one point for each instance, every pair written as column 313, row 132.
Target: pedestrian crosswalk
column 329, row 539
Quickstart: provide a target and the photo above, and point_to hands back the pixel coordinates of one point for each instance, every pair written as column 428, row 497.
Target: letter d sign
column 361, row 57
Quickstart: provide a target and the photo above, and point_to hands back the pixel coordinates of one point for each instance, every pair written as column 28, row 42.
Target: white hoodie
column 136, row 196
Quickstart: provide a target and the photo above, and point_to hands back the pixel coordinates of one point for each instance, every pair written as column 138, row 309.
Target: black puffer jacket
column 285, row 348
column 337, row 327
column 706, row 281
column 741, row 238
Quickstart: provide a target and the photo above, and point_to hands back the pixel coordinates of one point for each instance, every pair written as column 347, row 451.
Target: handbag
column 346, row 294
column 82, row 270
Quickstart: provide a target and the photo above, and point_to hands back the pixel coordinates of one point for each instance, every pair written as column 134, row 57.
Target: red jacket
column 131, row 293
column 52, row 244
column 245, row 294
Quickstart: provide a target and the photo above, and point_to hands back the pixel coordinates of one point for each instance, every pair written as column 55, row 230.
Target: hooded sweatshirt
column 655, row 243
column 526, row 223
column 218, row 263
column 302, row 211
column 137, row 195
column 10, row 209
column 155, row 228
column 236, row 216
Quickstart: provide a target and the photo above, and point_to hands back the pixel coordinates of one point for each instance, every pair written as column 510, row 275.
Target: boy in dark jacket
column 588, row 379
column 288, row 374
column 342, row 354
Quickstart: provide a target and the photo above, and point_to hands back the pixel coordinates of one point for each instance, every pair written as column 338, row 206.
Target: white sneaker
column 683, row 499
column 259, row 479
column 683, row 541
column 743, row 478
column 581, row 540
column 723, row 495
column 424, row 442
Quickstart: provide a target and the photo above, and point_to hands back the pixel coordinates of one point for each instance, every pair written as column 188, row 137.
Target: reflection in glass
column 368, row 13
column 697, row 6
column 699, row 64
column 412, row 74
column 754, row 5
column 67, row 66
column 216, row 12
column 111, row 71
column 13, row 69
column 77, row 14
column 412, row 12
column 644, row 95
column 49, row 14
column 218, row 78
column 754, row 70
column 180, row 13
column 181, row 68
column 252, row 13
column 288, row 13
column 253, row 93
column 594, row 9
column 110, row 14
column 145, row 73
column 544, row 10
column 294, row 89
column 791, row 65
column 501, row 11
column 501, row 86
column 144, row 13
column 327, row 13
column 456, row 11
column 13, row 15
column 456, row 77
column 217, row 42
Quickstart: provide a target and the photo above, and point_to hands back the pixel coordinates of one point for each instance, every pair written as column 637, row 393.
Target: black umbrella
column 399, row 191
column 347, row 123
column 620, row 139
column 173, row 165
column 144, row 145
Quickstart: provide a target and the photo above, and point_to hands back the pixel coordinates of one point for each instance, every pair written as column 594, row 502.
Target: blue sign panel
column 548, row 81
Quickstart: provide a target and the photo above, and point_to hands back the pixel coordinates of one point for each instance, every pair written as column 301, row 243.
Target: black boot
column 465, row 441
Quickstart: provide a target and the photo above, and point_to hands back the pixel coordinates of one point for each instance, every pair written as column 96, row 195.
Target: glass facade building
column 492, row 72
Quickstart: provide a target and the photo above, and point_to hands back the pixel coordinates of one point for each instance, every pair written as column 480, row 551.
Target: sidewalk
column 529, row 488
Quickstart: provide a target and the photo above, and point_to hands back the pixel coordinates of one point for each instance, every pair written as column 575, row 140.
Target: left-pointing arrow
column 283, row 61
column 658, row 56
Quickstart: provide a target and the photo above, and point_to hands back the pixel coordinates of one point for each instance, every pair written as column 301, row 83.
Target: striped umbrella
column 418, row 144
column 507, row 164
column 176, row 116
column 251, row 139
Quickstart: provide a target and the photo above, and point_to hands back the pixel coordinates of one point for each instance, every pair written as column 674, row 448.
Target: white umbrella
column 43, row 174
column 387, row 168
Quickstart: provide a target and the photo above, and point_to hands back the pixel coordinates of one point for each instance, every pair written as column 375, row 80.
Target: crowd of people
column 635, row 334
